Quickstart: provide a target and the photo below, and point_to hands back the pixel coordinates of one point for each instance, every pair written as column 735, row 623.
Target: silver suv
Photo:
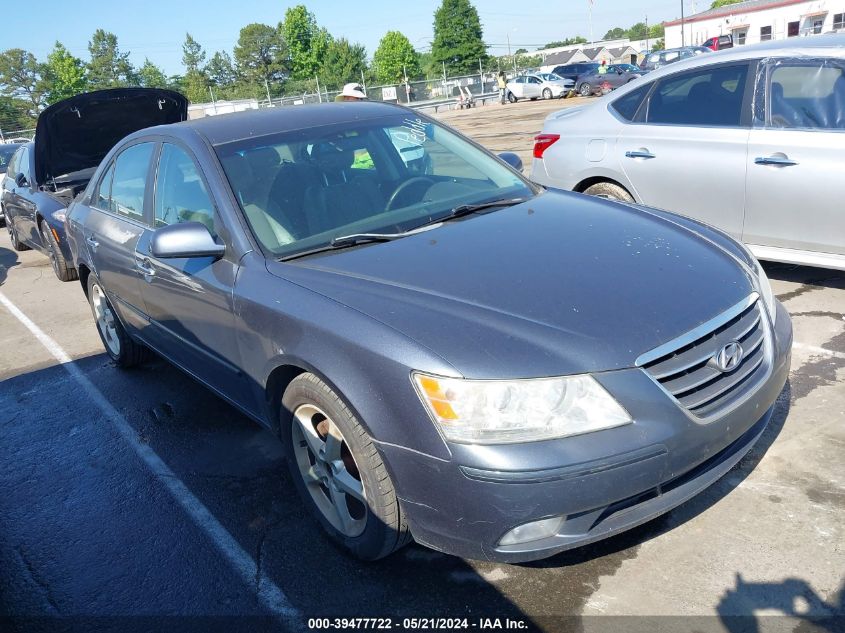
column 749, row 140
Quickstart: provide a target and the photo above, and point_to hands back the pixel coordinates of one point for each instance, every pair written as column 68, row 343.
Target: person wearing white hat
column 352, row 92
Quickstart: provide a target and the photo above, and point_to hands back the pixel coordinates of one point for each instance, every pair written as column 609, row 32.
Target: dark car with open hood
column 447, row 351
column 71, row 138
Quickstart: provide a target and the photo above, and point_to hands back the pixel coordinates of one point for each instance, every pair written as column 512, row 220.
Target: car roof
column 226, row 128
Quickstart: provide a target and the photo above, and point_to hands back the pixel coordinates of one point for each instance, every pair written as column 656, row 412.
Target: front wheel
column 13, row 236
column 338, row 471
column 120, row 347
column 512, row 97
column 586, row 89
column 547, row 94
column 54, row 252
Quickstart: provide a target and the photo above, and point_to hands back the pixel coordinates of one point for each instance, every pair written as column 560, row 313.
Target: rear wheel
column 57, row 260
column 339, row 473
column 585, row 90
column 119, row 345
column 610, row 191
column 512, row 98
column 547, row 93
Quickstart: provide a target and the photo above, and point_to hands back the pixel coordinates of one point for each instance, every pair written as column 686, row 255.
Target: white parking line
column 820, row 351
column 269, row 593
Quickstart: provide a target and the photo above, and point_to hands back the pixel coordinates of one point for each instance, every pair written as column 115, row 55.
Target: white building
column 758, row 20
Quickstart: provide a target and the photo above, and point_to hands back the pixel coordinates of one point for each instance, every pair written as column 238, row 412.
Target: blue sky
column 156, row 28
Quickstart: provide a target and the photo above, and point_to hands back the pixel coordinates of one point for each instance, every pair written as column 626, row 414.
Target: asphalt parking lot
column 140, row 493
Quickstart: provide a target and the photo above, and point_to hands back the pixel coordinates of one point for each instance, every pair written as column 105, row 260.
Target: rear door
column 22, row 203
column 795, row 157
column 190, row 300
column 119, row 216
column 687, row 153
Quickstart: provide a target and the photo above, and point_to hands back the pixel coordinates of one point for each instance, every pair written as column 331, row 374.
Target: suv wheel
column 338, row 471
column 585, row 89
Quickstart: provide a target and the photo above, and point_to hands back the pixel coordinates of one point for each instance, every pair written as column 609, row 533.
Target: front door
column 190, row 300
column 688, row 154
column 795, row 158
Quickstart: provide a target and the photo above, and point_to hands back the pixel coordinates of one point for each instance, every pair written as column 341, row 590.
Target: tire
column 512, row 98
column 533, row 98
column 57, row 260
column 547, row 94
column 13, row 236
column 120, row 347
column 374, row 525
column 585, row 89
column 610, row 191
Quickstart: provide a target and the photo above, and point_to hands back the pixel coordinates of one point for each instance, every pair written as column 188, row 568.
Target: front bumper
column 602, row 483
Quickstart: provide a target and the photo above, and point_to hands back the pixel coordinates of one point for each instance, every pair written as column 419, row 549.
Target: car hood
column 77, row 133
column 561, row 284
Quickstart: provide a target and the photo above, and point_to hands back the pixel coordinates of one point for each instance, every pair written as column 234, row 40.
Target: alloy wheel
column 586, row 90
column 105, row 319
column 329, row 470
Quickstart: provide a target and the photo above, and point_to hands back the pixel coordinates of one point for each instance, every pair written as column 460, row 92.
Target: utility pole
column 683, row 28
column 267, row 88
column 319, row 94
column 213, row 102
column 481, row 75
column 646, row 32
column 363, row 82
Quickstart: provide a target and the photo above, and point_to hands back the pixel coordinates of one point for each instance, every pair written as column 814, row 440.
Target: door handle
column 92, row 241
column 639, row 154
column 780, row 161
column 145, row 266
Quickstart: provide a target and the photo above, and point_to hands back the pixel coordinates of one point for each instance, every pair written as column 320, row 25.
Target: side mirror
column 512, row 159
column 188, row 239
column 20, row 180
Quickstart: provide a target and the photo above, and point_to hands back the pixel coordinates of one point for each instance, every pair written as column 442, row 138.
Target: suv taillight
column 542, row 142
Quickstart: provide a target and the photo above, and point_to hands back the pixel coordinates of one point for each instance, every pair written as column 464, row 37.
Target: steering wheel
column 411, row 182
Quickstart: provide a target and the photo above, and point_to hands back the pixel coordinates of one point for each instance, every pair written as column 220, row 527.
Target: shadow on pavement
column 8, row 259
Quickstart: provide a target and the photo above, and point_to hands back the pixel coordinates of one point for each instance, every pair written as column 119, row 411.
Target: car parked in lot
column 749, row 140
column 615, row 75
column 71, row 138
column 572, row 71
column 501, row 411
column 718, row 43
column 538, row 85
column 658, row 59
column 7, row 150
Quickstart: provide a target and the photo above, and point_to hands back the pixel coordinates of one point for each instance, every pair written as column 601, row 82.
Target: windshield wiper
column 468, row 209
column 354, row 239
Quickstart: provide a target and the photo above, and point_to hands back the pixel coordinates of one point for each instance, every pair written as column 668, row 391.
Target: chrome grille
column 688, row 372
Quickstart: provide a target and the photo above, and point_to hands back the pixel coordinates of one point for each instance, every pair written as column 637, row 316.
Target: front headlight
column 766, row 292
column 501, row 412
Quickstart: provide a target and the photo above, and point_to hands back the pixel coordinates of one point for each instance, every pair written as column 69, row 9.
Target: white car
column 536, row 85
column 749, row 139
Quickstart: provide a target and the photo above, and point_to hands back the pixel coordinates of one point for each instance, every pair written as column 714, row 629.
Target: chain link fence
column 16, row 136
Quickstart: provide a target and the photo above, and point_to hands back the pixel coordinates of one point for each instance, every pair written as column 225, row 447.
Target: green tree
column 63, row 75
column 394, row 57
column 108, row 68
column 220, row 70
column 637, row 32
column 260, row 55
column 20, row 76
column 192, row 54
column 307, row 42
column 428, row 67
column 615, row 34
column 720, row 3
column 195, row 87
column 569, row 41
column 15, row 114
column 657, row 31
column 458, row 39
column 151, row 76
column 343, row 62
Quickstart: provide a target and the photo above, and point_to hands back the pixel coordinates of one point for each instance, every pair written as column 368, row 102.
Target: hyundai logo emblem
column 729, row 357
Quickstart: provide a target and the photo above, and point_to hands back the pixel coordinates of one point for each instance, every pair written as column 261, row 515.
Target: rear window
column 807, row 95
column 711, row 96
column 628, row 105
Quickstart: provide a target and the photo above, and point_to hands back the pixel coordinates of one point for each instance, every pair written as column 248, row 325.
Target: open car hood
column 77, row 133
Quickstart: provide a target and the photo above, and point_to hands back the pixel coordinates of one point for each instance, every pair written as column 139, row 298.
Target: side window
column 130, row 181
column 181, row 195
column 23, row 164
column 712, row 96
column 627, row 106
column 807, row 95
column 103, row 197
column 12, row 169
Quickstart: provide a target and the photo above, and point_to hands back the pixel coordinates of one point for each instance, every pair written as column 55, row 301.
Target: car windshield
column 301, row 190
column 549, row 77
column 6, row 152
column 628, row 68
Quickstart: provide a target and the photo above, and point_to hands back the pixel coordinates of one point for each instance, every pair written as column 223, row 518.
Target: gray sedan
column 615, row 75
column 447, row 352
column 749, row 140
